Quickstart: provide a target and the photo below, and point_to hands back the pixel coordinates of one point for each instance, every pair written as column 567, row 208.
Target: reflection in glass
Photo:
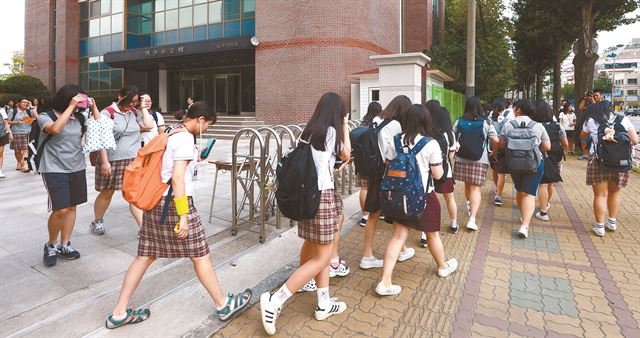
column 215, row 31
column 184, row 3
column 84, row 10
column 232, row 28
column 249, row 8
column 94, row 81
column 105, row 25
column 84, row 81
column 186, row 17
column 94, row 63
column 94, row 27
column 94, row 46
column 84, row 64
column 105, row 44
column 159, row 5
column 116, row 78
column 84, row 47
column 84, row 29
column 117, row 6
column 200, row 15
column 159, row 22
column 231, row 9
column 200, row 33
column 185, row 35
column 171, row 37
column 116, row 23
column 116, row 42
column 105, row 7
column 171, row 19
column 249, row 27
column 105, row 80
column 157, row 39
column 94, row 9
column 171, row 4
column 215, row 12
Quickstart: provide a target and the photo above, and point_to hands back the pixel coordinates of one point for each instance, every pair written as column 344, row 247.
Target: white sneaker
column 540, row 216
column 341, row 270
column 388, row 291
column 309, row 287
column 599, row 230
column 472, row 226
column 269, row 313
column 452, row 265
column 2, row 175
column 406, row 255
column 370, row 263
column 523, row 232
column 331, row 309
column 613, row 226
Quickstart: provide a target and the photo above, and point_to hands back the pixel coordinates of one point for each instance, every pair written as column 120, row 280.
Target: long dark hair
column 526, row 107
column 473, row 109
column 397, row 108
column 442, row 122
column 373, row 110
column 598, row 112
column 498, row 107
column 417, row 121
column 543, row 112
column 330, row 111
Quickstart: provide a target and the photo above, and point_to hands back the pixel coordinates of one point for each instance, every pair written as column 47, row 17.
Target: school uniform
column 322, row 227
column 20, row 131
column 385, row 145
column 474, row 172
column 447, row 186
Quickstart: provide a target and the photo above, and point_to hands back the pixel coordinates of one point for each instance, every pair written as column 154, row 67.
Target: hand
column 183, row 232
column 344, row 164
column 10, row 137
column 75, row 100
column 105, row 169
column 345, row 120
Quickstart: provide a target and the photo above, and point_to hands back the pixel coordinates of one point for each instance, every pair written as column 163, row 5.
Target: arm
column 633, row 136
column 8, row 129
column 95, row 112
column 147, row 119
column 56, row 127
column 545, row 145
column 179, row 194
column 564, row 142
column 345, row 152
column 437, row 171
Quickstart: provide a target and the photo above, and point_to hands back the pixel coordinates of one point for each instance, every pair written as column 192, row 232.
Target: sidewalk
column 561, row 281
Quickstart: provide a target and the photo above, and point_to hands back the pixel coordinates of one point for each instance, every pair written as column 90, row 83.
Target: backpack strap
column 167, row 200
column 398, row 143
column 111, row 111
column 514, row 123
column 383, row 124
column 418, row 146
column 531, row 124
column 154, row 114
column 618, row 119
column 40, row 148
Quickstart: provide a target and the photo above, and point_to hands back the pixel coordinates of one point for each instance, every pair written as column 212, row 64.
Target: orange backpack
column 142, row 185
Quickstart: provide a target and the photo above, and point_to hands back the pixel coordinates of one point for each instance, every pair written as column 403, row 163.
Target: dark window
column 632, row 92
column 248, row 8
column 94, row 9
column 215, row 31
column 249, row 27
column 632, row 81
column 375, row 95
column 157, row 39
column 231, row 9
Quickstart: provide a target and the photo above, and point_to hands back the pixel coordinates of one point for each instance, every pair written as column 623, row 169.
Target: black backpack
column 444, row 148
column 297, row 195
column 556, row 152
column 614, row 156
column 366, row 153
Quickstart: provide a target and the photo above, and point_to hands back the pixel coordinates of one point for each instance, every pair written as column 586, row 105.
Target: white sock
column 323, row 297
column 423, row 236
column 281, row 295
column 335, row 261
column 454, row 223
column 472, row 220
column 612, row 220
column 224, row 304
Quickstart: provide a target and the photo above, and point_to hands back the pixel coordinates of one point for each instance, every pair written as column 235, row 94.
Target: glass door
column 227, row 94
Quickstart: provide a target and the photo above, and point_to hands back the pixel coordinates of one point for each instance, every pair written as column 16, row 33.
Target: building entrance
column 227, row 94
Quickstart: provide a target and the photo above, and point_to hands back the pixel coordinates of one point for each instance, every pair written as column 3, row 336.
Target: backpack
column 522, row 156
column 614, row 156
column 439, row 136
column 36, row 149
column 402, row 193
column 142, row 184
column 366, row 153
column 14, row 111
column 154, row 114
column 297, row 194
column 556, row 152
column 551, row 172
column 471, row 139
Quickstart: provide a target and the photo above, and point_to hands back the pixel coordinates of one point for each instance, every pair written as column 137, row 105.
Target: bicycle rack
column 268, row 185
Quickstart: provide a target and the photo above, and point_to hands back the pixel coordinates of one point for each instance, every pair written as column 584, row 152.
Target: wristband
column 584, row 140
column 182, row 205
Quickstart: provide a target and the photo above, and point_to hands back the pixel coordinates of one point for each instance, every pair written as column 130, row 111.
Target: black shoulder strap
column 618, row 119
column 154, row 114
column 40, row 147
column 383, row 124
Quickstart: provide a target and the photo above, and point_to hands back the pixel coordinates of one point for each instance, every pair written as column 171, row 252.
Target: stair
column 225, row 128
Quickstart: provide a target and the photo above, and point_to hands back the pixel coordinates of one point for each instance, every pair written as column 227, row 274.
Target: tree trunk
column 557, row 79
column 585, row 59
column 539, row 85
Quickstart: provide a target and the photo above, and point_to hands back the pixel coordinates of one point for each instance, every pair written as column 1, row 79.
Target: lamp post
column 613, row 77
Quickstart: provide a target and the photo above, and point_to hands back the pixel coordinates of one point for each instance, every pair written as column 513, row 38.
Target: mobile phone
column 207, row 149
column 84, row 104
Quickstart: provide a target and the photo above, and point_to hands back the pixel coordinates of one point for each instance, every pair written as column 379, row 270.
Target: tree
column 568, row 91
column 24, row 85
column 603, row 82
column 17, row 65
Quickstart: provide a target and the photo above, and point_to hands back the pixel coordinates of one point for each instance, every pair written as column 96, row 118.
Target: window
column 94, row 27
column 200, row 15
column 159, row 22
column 171, row 37
column 116, row 42
column 232, row 28
column 171, row 19
column 185, row 35
column 249, row 8
column 374, row 95
column 171, row 4
column 632, row 81
column 249, row 27
column 84, row 29
column 157, row 39
column 159, row 5
column 105, row 7
column 231, row 9
column 184, row 3
column 186, row 17
column 215, row 31
column 116, row 23
column 633, row 92
column 215, row 12
column 94, row 9
column 105, row 25
column 200, row 33
column 117, row 6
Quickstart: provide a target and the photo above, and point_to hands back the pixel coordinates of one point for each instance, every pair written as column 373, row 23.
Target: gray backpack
column 522, row 157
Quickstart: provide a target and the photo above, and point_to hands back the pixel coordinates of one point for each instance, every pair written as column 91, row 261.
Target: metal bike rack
column 267, row 188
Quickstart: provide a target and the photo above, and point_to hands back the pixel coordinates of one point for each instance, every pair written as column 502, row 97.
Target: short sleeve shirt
column 538, row 129
column 428, row 156
column 19, row 128
column 63, row 152
column 325, row 160
column 148, row 135
column 126, row 131
column 180, row 146
column 568, row 120
column 489, row 132
column 385, row 137
column 591, row 127
column 3, row 114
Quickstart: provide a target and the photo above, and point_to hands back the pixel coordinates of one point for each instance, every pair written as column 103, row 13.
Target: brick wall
column 310, row 47
column 38, row 54
column 67, row 43
column 418, row 25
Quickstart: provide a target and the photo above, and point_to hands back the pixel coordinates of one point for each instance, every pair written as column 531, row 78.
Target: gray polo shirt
column 126, row 131
column 19, row 128
column 63, row 152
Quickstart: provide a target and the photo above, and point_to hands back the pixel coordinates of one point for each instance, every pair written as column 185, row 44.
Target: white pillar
column 355, row 102
column 400, row 74
column 163, row 99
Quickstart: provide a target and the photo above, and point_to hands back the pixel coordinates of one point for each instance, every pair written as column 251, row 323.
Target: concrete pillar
column 400, row 74
column 163, row 98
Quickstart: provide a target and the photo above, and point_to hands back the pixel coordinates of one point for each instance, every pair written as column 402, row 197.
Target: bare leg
column 137, row 214
column 467, row 191
column 130, row 283
column 68, row 222
column 600, row 197
column 336, row 238
column 500, row 186
column 543, row 196
column 392, row 252
column 1, row 157
column 475, row 198
column 370, row 233
column 319, row 262
column 207, row 276
column 102, row 203
column 306, row 252
column 527, row 206
column 56, row 223
column 362, row 197
column 550, row 192
column 452, row 207
column 436, row 248
column 613, row 200
column 19, row 158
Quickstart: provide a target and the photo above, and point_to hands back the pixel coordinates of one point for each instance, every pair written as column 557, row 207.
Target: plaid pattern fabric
column 20, row 142
column 159, row 240
column 322, row 227
column 595, row 175
column 113, row 182
column 362, row 182
column 470, row 172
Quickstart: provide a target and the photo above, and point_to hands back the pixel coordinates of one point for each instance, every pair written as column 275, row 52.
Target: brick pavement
column 561, row 281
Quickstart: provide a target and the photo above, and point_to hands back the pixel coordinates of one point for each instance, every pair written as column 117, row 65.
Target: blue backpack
column 402, row 193
column 471, row 139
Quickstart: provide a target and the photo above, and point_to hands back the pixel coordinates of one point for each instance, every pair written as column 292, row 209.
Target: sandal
column 235, row 303
column 133, row 317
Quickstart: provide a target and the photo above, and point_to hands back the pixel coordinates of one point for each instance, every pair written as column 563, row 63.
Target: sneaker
column 583, row 157
column 599, row 230
column 611, row 225
column 50, row 257
column 235, row 303
column 2, row 175
column 472, row 226
column 309, row 287
column 454, row 227
column 452, row 265
column 523, row 232
column 363, row 220
column 423, row 240
column 406, row 255
column 498, row 201
column 331, row 309
column 269, row 312
column 370, row 263
column 67, row 251
column 388, row 291
column 341, row 270
column 97, row 228
column 542, row 216
column 468, row 209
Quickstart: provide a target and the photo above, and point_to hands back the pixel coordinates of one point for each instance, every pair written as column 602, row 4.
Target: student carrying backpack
column 522, row 156
column 472, row 139
column 613, row 150
column 366, row 153
column 297, row 195
column 554, row 130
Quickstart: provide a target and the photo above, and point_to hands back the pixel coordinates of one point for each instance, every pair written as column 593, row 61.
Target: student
column 159, row 239
column 20, row 130
column 474, row 133
column 189, row 102
column 6, row 136
column 581, row 116
column 416, row 125
column 394, row 112
column 373, row 112
column 606, row 185
column 559, row 141
column 328, row 134
column 111, row 164
column 526, row 184
column 497, row 159
column 568, row 121
column 63, row 168
column 158, row 121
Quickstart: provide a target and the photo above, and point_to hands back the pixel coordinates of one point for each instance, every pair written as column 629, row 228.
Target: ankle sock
column 599, row 225
column 281, row 295
column 472, row 220
column 454, row 223
column 323, row 297
column 612, row 220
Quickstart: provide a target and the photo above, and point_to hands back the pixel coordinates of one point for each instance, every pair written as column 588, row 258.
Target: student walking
column 373, row 112
column 110, row 165
column 417, row 140
column 497, row 158
column 63, row 168
column 182, row 233
column 552, row 166
column 328, row 135
column 608, row 168
column 20, row 120
column 568, row 121
column 525, row 141
column 6, row 135
column 474, row 133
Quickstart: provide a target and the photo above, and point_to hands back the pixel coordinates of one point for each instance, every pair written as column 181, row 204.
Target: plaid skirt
column 113, row 182
column 322, row 227
column 362, row 182
column 470, row 172
column 159, row 240
column 595, row 175
column 20, row 142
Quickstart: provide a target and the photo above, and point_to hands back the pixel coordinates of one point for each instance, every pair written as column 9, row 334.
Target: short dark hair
column 201, row 109
column 543, row 112
column 498, row 105
column 473, row 109
column 373, row 110
column 526, row 107
column 598, row 90
column 61, row 100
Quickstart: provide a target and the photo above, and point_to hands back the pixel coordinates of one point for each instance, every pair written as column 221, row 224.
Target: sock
column 612, row 220
column 224, row 304
column 281, row 295
column 365, row 216
column 600, row 225
column 335, row 261
column 472, row 220
column 323, row 297
column 423, row 236
column 371, row 258
column 454, row 223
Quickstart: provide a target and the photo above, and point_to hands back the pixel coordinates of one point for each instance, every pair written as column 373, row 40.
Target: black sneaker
column 49, row 258
column 423, row 242
column 454, row 228
column 67, row 251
